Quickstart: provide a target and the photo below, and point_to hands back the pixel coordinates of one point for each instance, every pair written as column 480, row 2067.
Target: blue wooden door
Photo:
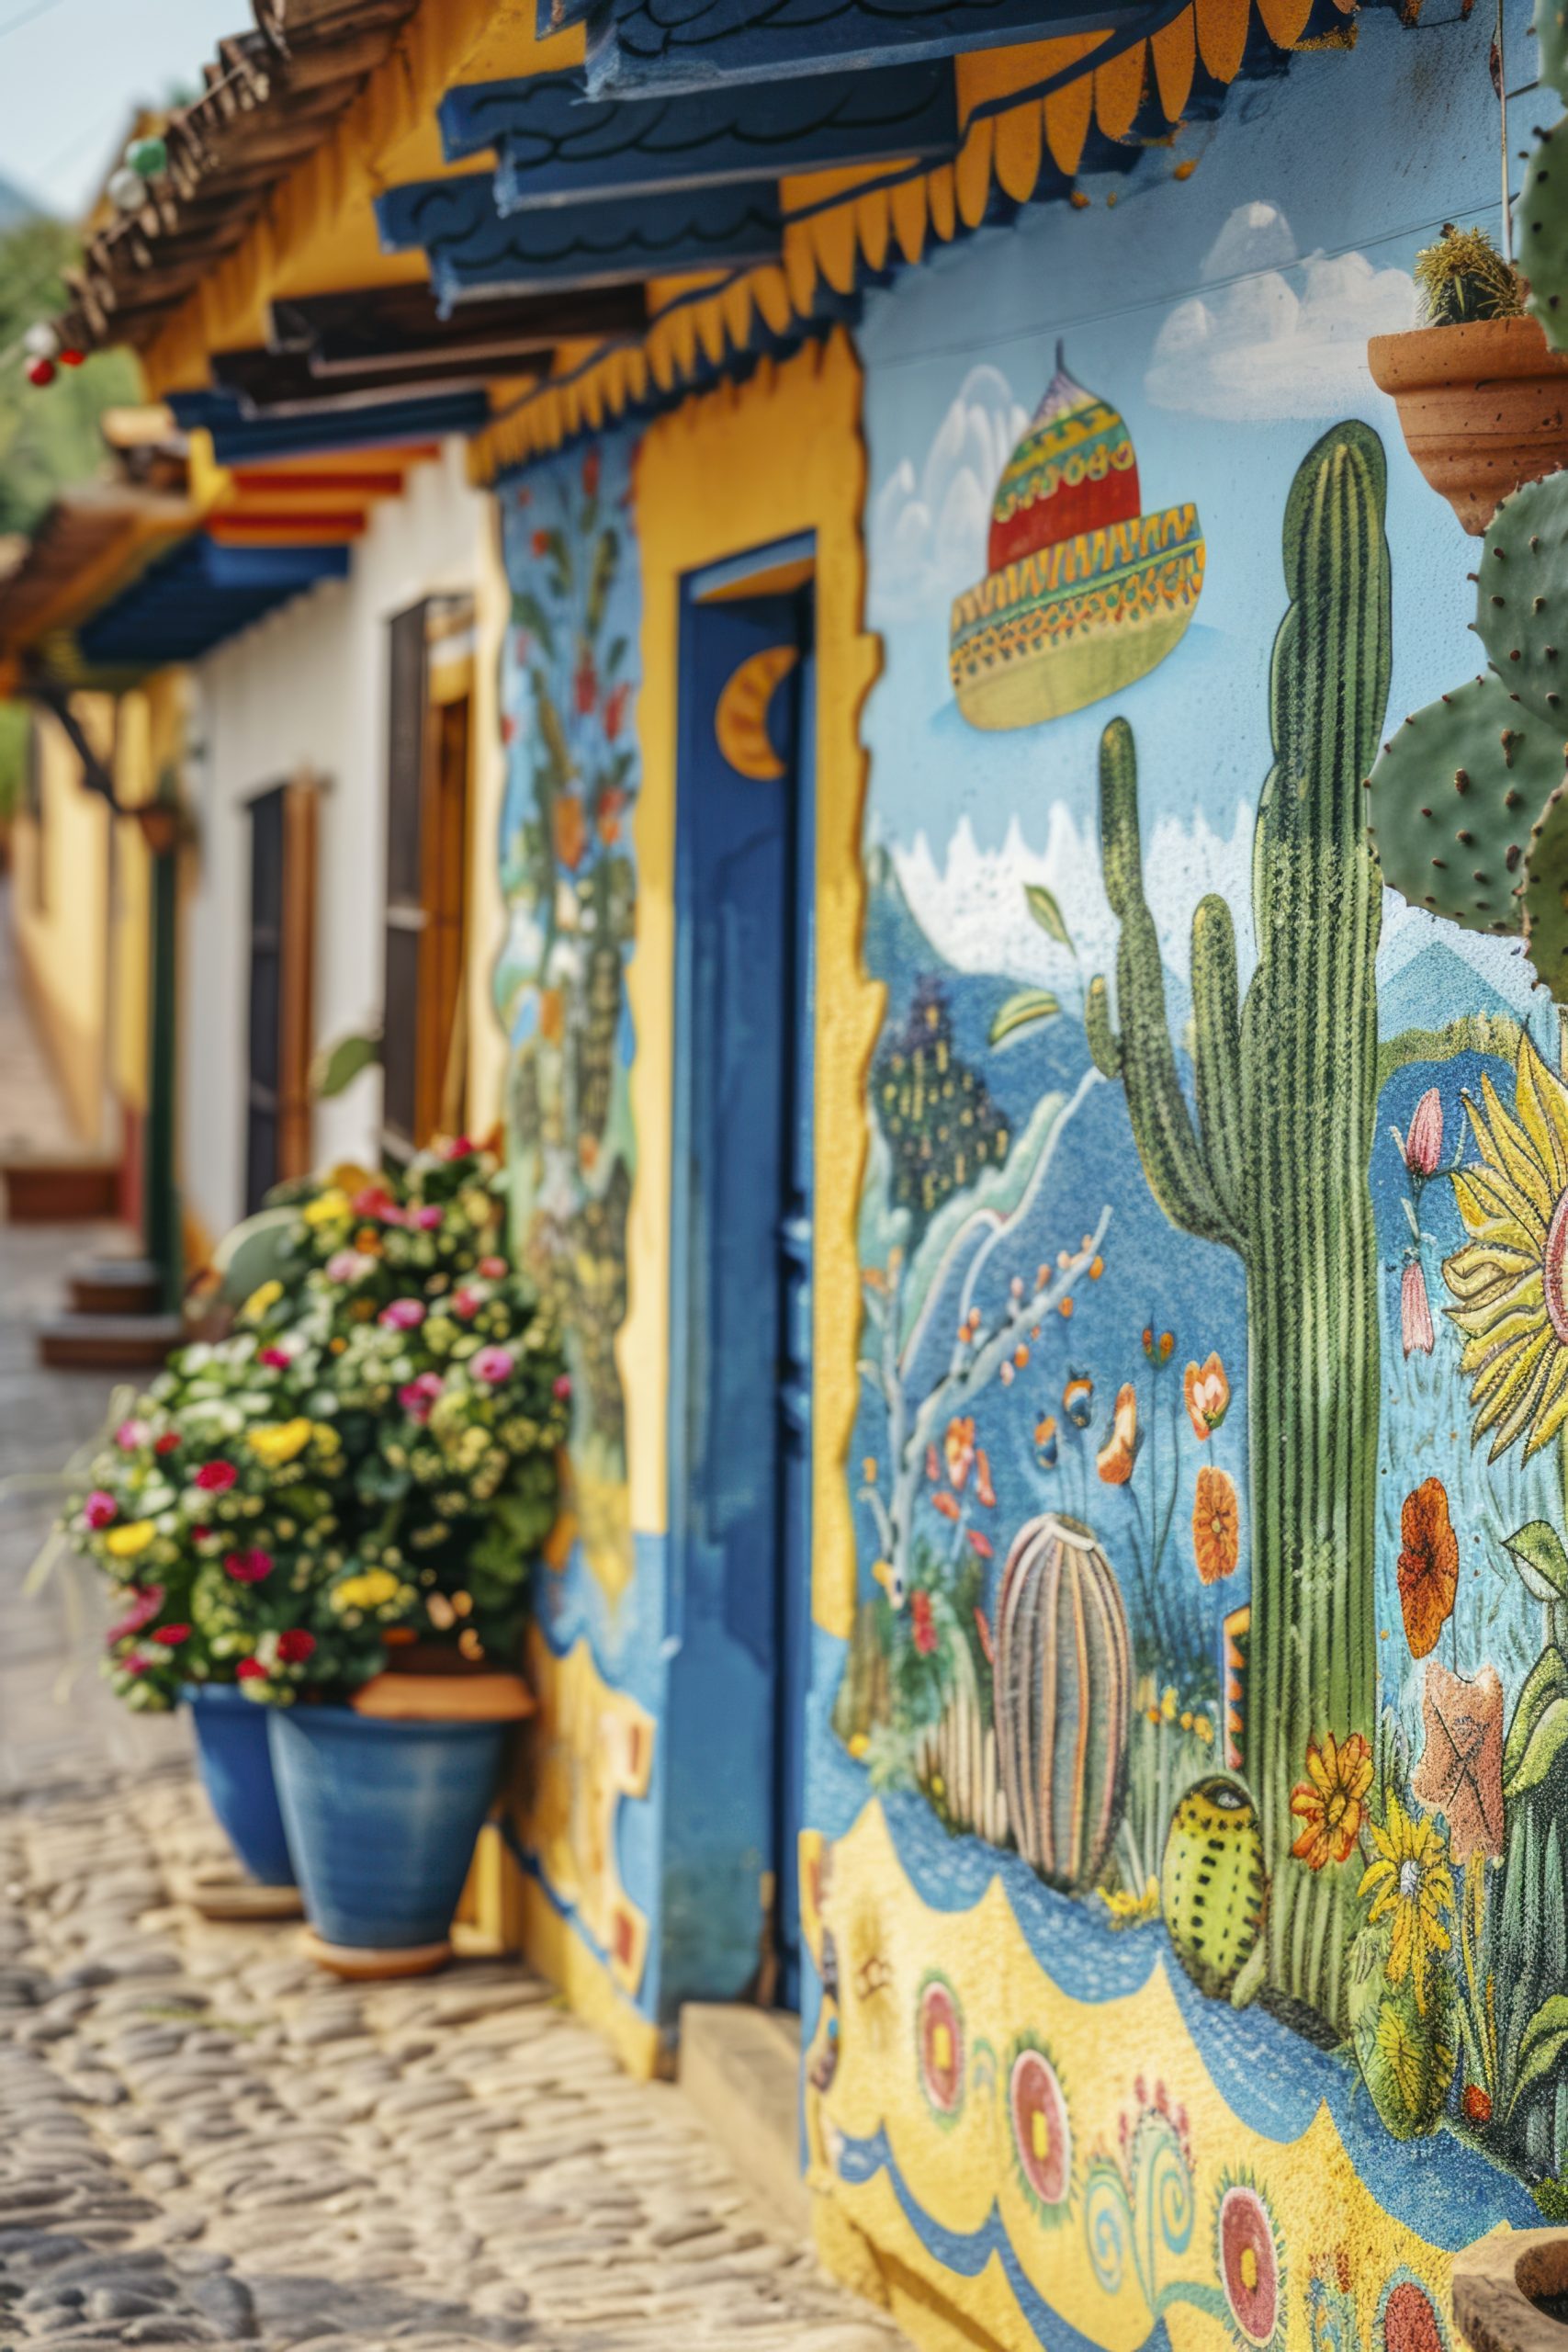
column 743, row 1263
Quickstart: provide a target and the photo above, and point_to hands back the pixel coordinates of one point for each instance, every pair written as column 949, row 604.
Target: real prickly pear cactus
column 1063, row 1700
column 1462, row 801
column 1210, row 1882
column 1541, row 214
column 1275, row 1166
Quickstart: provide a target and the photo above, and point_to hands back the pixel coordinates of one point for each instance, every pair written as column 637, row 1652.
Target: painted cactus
column 1466, row 802
column 1063, row 1700
column 1275, row 1165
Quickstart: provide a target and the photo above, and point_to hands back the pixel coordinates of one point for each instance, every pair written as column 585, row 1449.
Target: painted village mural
column 567, row 692
column 1194, row 1791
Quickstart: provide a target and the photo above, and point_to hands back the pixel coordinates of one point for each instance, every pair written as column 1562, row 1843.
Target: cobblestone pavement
column 202, row 2139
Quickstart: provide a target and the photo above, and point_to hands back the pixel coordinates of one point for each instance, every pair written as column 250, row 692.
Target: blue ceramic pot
column 235, row 1759
column 382, row 1818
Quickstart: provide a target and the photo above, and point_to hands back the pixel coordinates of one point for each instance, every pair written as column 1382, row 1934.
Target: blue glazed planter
column 235, row 1761
column 382, row 1818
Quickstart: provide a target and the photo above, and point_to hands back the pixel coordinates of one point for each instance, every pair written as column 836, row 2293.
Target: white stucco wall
column 307, row 689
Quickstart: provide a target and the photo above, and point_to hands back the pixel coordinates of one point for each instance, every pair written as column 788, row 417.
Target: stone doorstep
column 739, row 2068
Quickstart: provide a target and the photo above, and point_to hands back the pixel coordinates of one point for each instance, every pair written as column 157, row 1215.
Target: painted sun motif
column 1511, row 1276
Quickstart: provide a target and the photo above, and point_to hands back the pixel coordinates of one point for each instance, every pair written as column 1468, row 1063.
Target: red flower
column 216, row 1478
column 508, row 727
column 249, row 1669
column 248, row 1567
column 540, row 543
column 1475, row 2106
column 142, row 1610
column 979, row 1543
column 166, row 1443
column 615, row 702
column 172, row 1635
column 924, row 1629
column 945, row 1503
column 296, row 1646
column 276, row 1359
column 585, row 687
column 591, row 473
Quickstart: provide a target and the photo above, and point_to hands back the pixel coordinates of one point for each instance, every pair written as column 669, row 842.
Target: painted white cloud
column 1274, row 335
column 971, row 907
column 928, row 530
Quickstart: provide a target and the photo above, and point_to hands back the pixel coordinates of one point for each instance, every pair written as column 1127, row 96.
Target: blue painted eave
column 189, row 603
column 241, row 436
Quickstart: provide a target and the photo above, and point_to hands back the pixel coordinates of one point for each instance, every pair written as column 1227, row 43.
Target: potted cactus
column 1482, row 401
column 334, row 1513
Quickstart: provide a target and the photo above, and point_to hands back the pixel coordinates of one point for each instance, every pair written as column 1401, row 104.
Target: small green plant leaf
column 337, row 1066
column 1047, row 914
column 1542, row 2045
column 1022, row 1012
column 1537, row 1554
column 1541, row 1750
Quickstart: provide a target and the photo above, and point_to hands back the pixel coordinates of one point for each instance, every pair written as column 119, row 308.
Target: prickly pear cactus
column 1541, row 214
column 1464, row 804
column 1212, row 1882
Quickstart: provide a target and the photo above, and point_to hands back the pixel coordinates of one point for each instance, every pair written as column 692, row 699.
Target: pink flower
column 494, row 1366
column 1415, row 1310
column 428, row 1218
column 1422, row 1148
column 249, row 1669
column 130, row 1434
column 416, row 1396
column 402, row 1315
column 135, row 1663
column 492, row 1269
column 561, row 1385
column 456, row 1148
column 467, row 1303
column 100, row 1508
column 216, row 1478
column 296, row 1646
column 248, row 1567
column 375, row 1201
column 348, row 1265
column 144, row 1607
column 276, row 1359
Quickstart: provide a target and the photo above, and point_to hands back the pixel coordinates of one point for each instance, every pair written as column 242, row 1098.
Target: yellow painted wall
column 60, row 905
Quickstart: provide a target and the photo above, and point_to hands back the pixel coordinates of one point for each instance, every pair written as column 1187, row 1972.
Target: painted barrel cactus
column 1064, row 1699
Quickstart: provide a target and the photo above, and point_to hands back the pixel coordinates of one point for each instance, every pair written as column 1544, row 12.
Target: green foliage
column 1275, row 1174
column 335, row 1067
column 1407, row 2055
column 942, row 1125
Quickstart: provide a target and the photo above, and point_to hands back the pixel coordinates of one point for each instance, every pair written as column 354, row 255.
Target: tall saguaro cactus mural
column 1275, row 1165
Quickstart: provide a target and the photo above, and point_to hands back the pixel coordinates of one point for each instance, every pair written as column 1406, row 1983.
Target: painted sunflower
column 1409, row 1877
column 1511, row 1276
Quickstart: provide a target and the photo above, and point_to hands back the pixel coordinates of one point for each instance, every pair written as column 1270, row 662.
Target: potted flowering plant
column 339, row 1504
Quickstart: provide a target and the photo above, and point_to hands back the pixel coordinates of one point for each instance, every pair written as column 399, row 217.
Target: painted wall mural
column 568, row 692
column 1191, row 1790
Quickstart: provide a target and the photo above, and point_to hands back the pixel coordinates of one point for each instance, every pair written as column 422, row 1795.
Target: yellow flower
column 276, row 1442
column 266, row 1295
column 1410, row 1878
column 1511, row 1276
column 125, row 1542
column 367, row 1591
column 1167, row 1703
column 327, row 1207
column 1127, row 1908
column 326, row 1437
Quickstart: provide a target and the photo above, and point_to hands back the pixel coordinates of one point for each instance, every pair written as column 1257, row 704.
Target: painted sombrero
column 1083, row 593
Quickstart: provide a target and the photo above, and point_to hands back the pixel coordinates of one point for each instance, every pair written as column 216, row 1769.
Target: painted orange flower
column 570, row 828
column 984, row 1491
column 944, row 1503
column 1328, row 1802
column 1428, row 1566
column 1208, row 1396
column 1216, row 1524
column 1116, row 1456
column 958, row 1448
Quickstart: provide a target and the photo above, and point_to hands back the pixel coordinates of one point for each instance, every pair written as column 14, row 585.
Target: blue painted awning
column 662, row 46
column 473, row 248
column 240, row 434
column 192, row 601
column 556, row 147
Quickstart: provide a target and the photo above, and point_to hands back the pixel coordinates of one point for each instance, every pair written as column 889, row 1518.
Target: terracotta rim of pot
column 478, row 1697
column 1476, row 351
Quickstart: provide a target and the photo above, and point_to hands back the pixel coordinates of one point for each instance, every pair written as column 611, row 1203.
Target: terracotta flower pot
column 1483, row 406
